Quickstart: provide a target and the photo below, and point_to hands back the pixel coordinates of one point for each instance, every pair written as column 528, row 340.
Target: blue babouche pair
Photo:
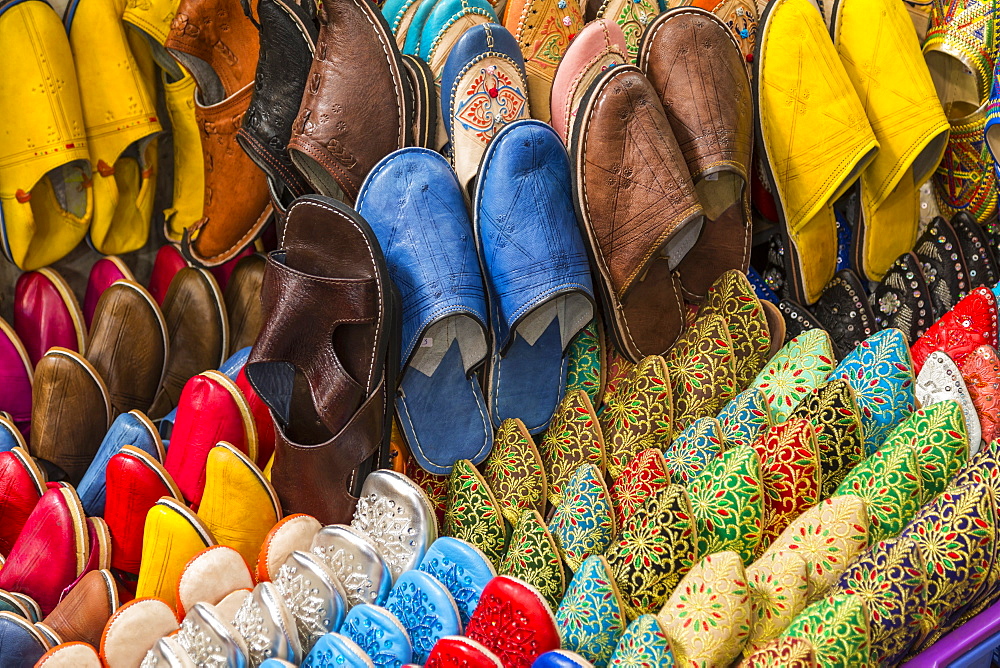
column 508, row 288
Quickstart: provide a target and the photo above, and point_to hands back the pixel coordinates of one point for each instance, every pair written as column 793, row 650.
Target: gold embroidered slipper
column 814, row 137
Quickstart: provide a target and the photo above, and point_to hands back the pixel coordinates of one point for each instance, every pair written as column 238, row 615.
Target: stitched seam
column 371, row 256
column 252, row 232
column 575, row 81
column 298, row 25
column 396, row 80
column 312, row 148
column 419, row 447
column 265, row 155
column 440, row 36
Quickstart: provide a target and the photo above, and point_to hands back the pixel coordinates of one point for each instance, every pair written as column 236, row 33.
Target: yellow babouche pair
column 79, row 123
column 842, row 99
column 238, row 509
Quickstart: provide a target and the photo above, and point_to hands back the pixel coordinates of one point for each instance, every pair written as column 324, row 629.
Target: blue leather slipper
column 536, row 269
column 415, row 206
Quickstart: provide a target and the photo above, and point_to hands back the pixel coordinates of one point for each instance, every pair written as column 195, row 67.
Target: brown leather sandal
column 326, row 359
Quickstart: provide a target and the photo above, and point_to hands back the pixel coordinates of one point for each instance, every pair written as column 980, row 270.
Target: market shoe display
column 23, row 485
column 120, row 118
column 638, row 414
column 172, row 535
column 295, row 532
column 514, row 622
column 483, row 89
column 330, row 143
column 797, row 319
column 940, row 254
column 17, row 373
column 235, row 195
column 462, row 569
column 179, row 91
column 713, row 130
column 533, row 557
column 21, row 643
column 622, row 140
column 584, row 523
column 198, row 332
column 168, row 262
column 135, row 481
column 732, row 297
column 981, row 373
column 71, row 654
column 426, row 113
column 56, row 531
column 445, row 23
column 333, row 414
column 544, row 29
column 211, row 575
column 702, row 372
column 593, row 636
column 599, row 46
column 539, row 299
column 515, row 471
column 128, row 345
column 980, row 259
column 129, row 429
column 103, row 275
column 242, row 302
column 902, row 299
column 194, row 435
column 970, row 324
column 71, row 395
column 473, row 513
column 133, row 630
column 632, row 18
column 843, row 311
column 416, row 597
column 898, row 87
column 45, row 200
column 288, row 33
column 940, row 380
column 47, row 314
column 813, row 161
column 415, row 207
column 83, row 612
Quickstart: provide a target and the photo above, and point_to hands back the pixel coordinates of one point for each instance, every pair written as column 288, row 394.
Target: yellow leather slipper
column 189, row 165
column 881, row 55
column 45, row 201
column 172, row 535
column 151, row 20
column 239, row 506
column 120, row 118
column 814, row 137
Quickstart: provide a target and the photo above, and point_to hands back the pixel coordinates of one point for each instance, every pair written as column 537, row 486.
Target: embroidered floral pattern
column 702, row 372
column 434, row 486
column 803, row 364
column 983, row 470
column 889, row 484
column 837, row 628
column 645, row 476
column 955, row 533
column 638, row 414
column 779, row 590
column 643, row 645
column 881, row 374
column 707, row 618
column 733, row 298
column 654, row 549
column 585, row 365
column 514, row 471
column 632, row 16
column 533, row 557
column 785, row 652
column 744, row 418
column 583, row 524
column 473, row 513
column 491, row 100
column 827, row 537
column 981, row 371
column 728, row 504
column 937, row 436
column 573, row 438
column 690, row 453
column 592, row 616
column 889, row 579
column 618, row 369
column 833, row 414
column 790, row 473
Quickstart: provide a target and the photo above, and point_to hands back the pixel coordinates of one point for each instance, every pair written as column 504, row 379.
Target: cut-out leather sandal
column 325, row 360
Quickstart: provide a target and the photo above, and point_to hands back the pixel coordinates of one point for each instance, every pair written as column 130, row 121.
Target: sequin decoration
column 654, row 549
column 701, row 370
column 707, row 618
column 833, row 414
column 880, row 372
column 591, row 616
column 573, row 438
column 728, row 504
column 637, row 414
column 803, row 364
column 972, row 323
column 790, row 473
column 514, row 471
column 692, row 450
column 981, row 372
